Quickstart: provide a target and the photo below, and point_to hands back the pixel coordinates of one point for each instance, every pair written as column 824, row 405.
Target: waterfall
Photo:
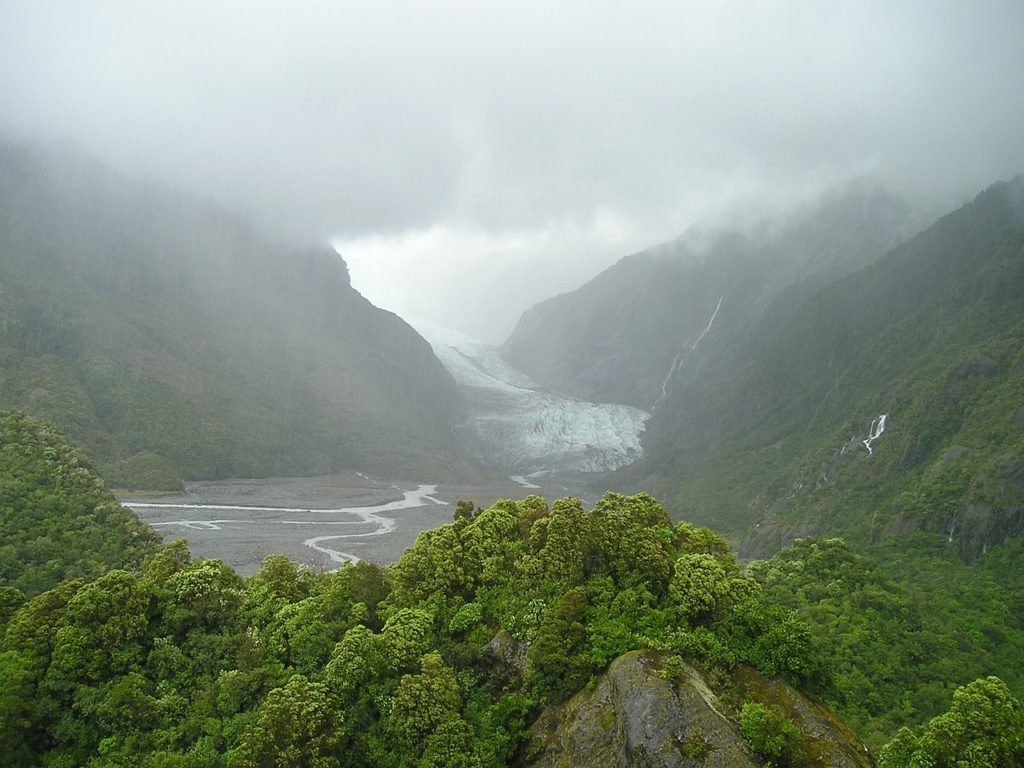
column 875, row 431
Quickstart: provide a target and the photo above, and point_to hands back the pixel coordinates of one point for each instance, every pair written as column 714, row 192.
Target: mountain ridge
column 622, row 336
column 170, row 339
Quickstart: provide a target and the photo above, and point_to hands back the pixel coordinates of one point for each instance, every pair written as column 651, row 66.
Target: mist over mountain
column 821, row 381
column 837, row 404
column 633, row 333
column 171, row 340
column 372, row 285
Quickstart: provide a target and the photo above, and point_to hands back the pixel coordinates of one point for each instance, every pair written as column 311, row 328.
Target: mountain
column 884, row 406
column 879, row 395
column 630, row 334
column 885, row 402
column 171, row 340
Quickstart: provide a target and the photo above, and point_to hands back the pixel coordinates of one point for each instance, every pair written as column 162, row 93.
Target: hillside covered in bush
column 171, row 340
column 477, row 648
column 57, row 519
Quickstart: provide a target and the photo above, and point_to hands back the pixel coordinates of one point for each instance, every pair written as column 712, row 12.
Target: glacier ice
column 517, row 426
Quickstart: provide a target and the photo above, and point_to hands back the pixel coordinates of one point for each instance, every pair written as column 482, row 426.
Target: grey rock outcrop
column 632, row 718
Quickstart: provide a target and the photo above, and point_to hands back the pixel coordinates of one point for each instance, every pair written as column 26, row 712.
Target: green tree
column 700, row 587
column 424, row 702
column 451, row 745
column 18, row 709
column 355, row 660
column 204, row 595
column 772, row 736
column 774, row 640
column 278, row 582
column 11, row 599
column 631, row 538
column 406, row 637
column 101, row 630
column 168, row 561
column 295, row 727
column 984, row 728
column 563, row 536
column 558, row 662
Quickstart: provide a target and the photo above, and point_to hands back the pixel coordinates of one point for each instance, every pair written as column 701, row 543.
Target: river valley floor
column 324, row 521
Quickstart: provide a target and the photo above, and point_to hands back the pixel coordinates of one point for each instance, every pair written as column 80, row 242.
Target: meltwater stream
column 211, row 517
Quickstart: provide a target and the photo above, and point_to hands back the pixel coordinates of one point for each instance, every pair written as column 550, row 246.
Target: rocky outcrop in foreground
column 633, row 717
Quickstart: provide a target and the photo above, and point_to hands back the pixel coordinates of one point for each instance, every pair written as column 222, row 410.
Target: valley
column 321, row 522
column 512, row 385
column 514, row 424
column 838, row 400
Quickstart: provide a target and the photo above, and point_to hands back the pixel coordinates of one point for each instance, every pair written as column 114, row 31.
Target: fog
column 469, row 159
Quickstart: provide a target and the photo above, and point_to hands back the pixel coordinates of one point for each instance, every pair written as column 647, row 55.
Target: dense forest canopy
column 57, row 519
column 448, row 656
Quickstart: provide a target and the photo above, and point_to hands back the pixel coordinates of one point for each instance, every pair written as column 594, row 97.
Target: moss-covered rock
column 634, row 718
column 637, row 716
column 827, row 742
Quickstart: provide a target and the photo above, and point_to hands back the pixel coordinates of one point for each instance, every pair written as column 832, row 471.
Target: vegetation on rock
column 446, row 657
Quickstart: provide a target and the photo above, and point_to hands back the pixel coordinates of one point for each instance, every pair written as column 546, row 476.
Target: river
column 323, row 522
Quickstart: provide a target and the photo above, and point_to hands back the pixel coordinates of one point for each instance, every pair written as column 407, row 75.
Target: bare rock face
column 508, row 652
column 632, row 718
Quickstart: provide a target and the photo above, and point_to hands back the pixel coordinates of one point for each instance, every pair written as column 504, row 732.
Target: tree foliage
column 183, row 662
column 983, row 728
column 57, row 520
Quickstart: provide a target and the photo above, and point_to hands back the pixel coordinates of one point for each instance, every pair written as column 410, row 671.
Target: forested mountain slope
column 640, row 328
column 790, row 423
column 57, row 521
column 886, row 407
column 170, row 340
column 520, row 635
column 524, row 634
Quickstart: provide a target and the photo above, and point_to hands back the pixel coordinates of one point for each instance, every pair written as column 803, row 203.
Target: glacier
column 515, row 425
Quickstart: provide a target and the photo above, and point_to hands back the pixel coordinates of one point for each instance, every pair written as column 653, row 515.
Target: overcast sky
column 471, row 158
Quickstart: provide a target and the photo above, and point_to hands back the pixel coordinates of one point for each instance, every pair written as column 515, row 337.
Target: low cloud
column 510, row 131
